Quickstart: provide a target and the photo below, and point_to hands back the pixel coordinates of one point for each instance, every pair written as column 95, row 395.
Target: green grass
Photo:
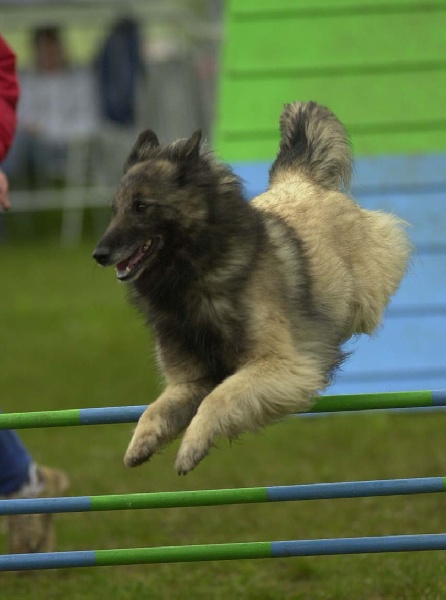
column 69, row 339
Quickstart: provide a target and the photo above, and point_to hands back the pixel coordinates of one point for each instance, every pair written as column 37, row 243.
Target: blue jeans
column 14, row 462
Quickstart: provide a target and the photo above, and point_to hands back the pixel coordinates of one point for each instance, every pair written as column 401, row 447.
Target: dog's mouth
column 128, row 268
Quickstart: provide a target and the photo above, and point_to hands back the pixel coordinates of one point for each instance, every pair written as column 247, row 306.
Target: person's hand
column 4, row 188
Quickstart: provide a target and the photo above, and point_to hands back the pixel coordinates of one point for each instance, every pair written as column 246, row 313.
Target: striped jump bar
column 219, row 497
column 130, row 414
column 230, row 551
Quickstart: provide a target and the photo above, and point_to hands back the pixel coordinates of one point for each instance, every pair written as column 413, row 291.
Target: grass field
column 69, row 339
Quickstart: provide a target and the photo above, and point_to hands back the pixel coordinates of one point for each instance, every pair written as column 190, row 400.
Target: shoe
column 35, row 533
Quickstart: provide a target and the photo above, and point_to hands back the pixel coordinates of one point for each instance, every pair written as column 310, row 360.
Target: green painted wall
column 380, row 66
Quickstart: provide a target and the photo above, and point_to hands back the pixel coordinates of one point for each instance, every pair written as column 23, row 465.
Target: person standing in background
column 58, row 105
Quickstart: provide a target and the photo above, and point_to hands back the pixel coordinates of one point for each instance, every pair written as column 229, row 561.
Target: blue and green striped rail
column 130, row 414
column 220, row 497
column 229, row 551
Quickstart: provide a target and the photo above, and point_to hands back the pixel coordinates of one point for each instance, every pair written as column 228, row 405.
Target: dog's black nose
column 101, row 254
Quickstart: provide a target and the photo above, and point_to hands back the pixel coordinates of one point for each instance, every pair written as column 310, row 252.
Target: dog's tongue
column 121, row 266
column 130, row 262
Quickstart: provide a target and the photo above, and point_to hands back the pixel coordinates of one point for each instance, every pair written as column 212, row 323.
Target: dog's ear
column 191, row 149
column 146, row 142
column 188, row 156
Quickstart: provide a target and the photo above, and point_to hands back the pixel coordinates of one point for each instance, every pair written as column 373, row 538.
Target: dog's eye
column 139, row 207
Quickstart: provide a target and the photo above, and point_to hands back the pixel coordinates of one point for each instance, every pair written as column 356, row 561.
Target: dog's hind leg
column 255, row 395
column 164, row 420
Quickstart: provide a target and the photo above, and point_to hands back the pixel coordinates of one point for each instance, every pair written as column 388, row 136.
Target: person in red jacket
column 20, row 477
column 9, row 95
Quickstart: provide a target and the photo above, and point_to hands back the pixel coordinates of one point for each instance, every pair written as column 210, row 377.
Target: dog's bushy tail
column 315, row 145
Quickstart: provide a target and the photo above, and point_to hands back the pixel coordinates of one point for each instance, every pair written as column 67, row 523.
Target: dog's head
column 162, row 207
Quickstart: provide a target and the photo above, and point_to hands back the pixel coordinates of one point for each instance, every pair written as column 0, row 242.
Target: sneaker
column 35, row 533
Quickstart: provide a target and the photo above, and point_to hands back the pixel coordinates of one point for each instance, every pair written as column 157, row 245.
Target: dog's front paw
column 140, row 449
column 189, row 457
column 192, row 451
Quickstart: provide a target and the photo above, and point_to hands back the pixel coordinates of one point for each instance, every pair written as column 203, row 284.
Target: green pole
column 351, row 402
column 179, row 499
column 169, row 554
column 46, row 418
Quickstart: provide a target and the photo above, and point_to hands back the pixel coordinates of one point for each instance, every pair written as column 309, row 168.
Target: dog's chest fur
column 210, row 330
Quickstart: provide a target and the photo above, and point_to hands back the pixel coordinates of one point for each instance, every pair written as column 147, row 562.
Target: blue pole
column 362, row 545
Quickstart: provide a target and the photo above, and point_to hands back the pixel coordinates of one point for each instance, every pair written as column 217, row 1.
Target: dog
column 250, row 302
